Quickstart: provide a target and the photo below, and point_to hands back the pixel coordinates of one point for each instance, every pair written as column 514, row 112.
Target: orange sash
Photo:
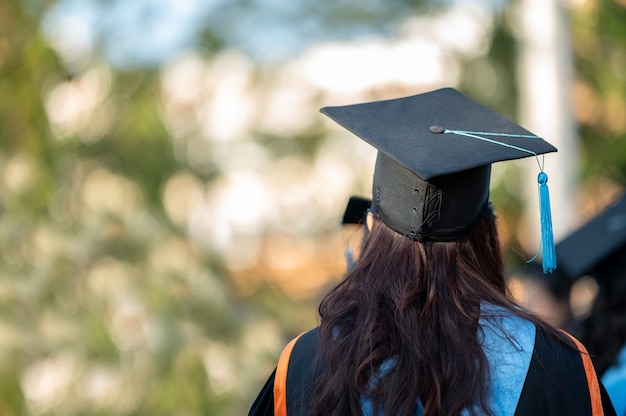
column 280, row 380
column 592, row 378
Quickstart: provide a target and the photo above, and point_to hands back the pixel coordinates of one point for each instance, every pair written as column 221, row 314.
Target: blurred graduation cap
column 598, row 247
column 355, row 214
column 356, row 210
column 435, row 150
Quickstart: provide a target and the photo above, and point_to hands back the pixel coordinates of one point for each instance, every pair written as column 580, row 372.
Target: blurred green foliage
column 107, row 307
column 599, row 40
column 95, row 319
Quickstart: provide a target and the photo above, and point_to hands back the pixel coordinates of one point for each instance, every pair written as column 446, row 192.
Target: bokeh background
column 170, row 197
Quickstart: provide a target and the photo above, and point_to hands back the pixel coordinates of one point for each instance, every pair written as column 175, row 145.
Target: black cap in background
column 596, row 244
column 356, row 210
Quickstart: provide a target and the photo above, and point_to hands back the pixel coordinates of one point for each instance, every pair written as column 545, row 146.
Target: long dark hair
column 417, row 304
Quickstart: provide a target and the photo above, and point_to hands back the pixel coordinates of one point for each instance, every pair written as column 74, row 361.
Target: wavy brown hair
column 419, row 304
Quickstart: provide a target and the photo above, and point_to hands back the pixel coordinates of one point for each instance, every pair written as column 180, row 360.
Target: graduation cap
column 355, row 214
column 435, row 150
column 356, row 210
column 598, row 247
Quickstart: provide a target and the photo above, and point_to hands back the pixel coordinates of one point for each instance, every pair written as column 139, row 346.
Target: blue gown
column 614, row 379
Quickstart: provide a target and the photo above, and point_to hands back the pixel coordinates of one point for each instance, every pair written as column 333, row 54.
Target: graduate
column 598, row 249
column 423, row 324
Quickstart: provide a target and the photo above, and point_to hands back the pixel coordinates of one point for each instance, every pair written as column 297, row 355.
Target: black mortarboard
column 355, row 213
column 595, row 243
column 435, row 150
column 356, row 210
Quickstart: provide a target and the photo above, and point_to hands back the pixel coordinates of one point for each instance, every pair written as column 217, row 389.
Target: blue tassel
column 547, row 238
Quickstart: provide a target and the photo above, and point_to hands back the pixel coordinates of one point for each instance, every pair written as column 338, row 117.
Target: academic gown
column 531, row 374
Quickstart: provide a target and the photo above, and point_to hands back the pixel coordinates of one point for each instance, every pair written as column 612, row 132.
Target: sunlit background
column 170, row 196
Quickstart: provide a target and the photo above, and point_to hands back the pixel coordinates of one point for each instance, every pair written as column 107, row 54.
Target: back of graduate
column 598, row 249
column 423, row 323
